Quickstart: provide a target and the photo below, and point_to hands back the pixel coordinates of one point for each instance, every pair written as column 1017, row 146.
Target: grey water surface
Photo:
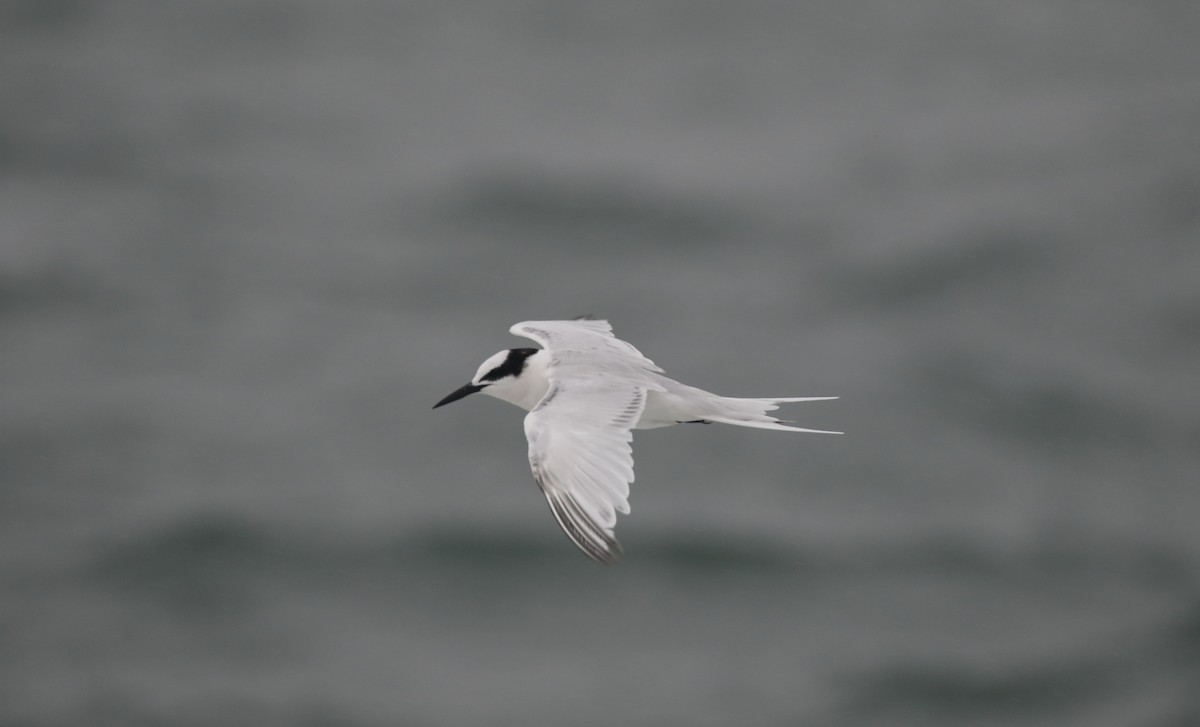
column 246, row 244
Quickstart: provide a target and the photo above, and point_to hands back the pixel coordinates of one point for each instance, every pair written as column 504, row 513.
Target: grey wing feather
column 596, row 542
column 588, row 343
column 580, row 454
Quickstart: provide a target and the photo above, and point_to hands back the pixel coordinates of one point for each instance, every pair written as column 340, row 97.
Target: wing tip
column 792, row 399
column 595, row 541
column 588, row 320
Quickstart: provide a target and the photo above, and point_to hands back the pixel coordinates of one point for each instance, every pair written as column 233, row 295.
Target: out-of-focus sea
column 246, row 244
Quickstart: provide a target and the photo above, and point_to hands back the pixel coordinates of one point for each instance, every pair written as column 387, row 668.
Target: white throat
column 527, row 389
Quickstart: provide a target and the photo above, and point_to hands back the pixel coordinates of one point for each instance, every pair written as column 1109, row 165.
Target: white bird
column 585, row 390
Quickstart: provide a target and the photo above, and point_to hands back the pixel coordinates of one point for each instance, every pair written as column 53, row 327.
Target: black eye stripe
column 513, row 364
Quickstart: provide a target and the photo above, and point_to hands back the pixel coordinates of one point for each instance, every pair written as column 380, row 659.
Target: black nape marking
column 513, row 364
column 696, row 421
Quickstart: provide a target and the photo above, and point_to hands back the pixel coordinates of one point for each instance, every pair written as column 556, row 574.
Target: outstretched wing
column 580, row 456
column 579, row 433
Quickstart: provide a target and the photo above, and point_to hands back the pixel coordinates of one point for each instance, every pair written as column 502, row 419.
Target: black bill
column 458, row 394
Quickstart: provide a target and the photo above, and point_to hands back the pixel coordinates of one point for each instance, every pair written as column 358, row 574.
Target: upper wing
column 590, row 344
column 579, row 433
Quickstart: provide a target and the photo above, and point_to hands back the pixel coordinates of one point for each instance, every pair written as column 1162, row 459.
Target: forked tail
column 753, row 413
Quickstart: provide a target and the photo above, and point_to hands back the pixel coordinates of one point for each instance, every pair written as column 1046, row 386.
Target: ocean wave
column 229, row 546
column 942, row 273
column 944, row 689
column 547, row 206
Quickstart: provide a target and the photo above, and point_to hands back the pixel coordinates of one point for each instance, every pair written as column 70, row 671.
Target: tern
column 585, row 391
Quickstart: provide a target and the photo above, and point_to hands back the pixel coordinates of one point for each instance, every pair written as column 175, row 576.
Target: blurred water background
column 246, row 244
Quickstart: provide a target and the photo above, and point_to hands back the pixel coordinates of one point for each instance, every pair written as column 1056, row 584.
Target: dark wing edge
column 590, row 537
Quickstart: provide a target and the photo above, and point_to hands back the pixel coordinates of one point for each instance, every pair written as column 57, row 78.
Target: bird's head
column 498, row 376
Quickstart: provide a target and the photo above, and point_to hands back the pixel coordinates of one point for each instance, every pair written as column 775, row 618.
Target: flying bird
column 585, row 391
